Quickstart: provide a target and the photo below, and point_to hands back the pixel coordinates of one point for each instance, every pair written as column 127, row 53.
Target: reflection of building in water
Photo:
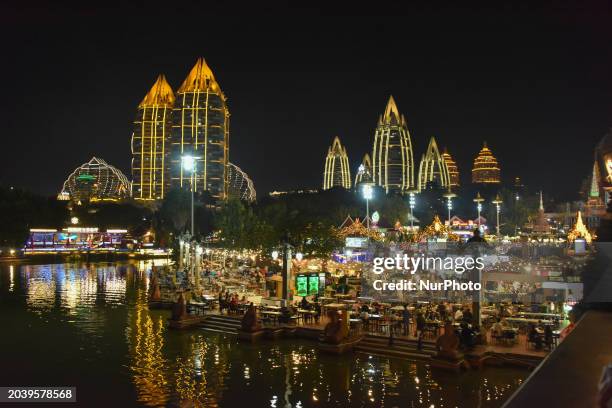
column 145, row 338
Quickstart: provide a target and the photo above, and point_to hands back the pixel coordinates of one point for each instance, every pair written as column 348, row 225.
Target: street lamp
column 189, row 164
column 478, row 200
column 412, row 202
column 367, row 194
column 498, row 201
column 449, row 202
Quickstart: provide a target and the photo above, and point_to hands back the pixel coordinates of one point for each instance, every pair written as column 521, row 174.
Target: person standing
column 406, row 320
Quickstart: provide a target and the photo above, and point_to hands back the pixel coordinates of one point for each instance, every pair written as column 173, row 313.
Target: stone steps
column 222, row 324
column 401, row 348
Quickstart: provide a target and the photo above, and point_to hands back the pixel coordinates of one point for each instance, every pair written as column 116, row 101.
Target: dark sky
column 536, row 84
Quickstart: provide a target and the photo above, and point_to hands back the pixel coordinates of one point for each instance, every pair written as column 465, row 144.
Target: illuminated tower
column 364, row 172
column 151, row 142
column 392, row 161
column 453, row 170
column 485, row 170
column 200, row 128
column 432, row 168
column 337, row 171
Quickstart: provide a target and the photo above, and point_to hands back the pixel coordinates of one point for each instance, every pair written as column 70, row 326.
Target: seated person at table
column 304, row 304
column 497, row 330
column 458, row 315
column 317, row 309
column 548, row 335
column 467, row 335
column 467, row 316
column 534, row 337
column 365, row 308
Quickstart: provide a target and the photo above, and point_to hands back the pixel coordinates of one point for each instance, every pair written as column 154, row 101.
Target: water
column 89, row 326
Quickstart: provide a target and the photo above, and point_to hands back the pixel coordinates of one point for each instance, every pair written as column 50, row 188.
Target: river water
column 88, row 325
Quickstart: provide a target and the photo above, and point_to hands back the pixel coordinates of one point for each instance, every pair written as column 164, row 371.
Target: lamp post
column 367, row 194
column 189, row 164
column 449, row 202
column 498, row 201
column 412, row 202
column 478, row 200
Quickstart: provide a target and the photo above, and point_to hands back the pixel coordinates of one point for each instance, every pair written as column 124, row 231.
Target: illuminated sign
column 356, row 242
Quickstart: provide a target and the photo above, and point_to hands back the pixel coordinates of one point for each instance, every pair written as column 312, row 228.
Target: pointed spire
column 160, row 94
column 366, row 161
column 200, row 78
column 541, row 202
column 391, row 112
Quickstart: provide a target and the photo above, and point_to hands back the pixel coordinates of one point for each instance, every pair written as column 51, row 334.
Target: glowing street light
column 449, row 202
column 275, row 255
column 478, row 200
column 368, row 193
column 189, row 164
column 498, row 201
column 412, row 202
column 299, row 256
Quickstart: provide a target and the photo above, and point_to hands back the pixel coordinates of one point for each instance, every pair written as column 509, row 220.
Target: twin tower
column 193, row 122
column 392, row 165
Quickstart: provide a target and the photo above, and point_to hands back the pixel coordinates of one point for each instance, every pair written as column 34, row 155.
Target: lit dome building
column 364, row 172
column 337, row 172
column 486, row 169
column 453, row 170
column 239, row 184
column 392, row 159
column 432, row 168
column 96, row 180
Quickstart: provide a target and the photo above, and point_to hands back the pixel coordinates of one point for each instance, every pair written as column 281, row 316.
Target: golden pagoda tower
column 486, row 169
column 432, row 168
column 151, row 143
column 579, row 231
column 364, row 172
column 453, row 170
column 337, row 171
column 392, row 158
column 200, row 129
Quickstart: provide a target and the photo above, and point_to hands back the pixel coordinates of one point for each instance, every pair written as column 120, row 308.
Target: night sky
column 536, row 84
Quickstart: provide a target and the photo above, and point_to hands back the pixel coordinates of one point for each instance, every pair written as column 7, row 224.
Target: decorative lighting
column 368, row 193
column 74, row 220
column 299, row 256
column 498, row 201
column 188, row 162
column 275, row 255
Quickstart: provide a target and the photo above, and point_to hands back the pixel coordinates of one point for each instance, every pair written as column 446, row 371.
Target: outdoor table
column 398, row 308
column 336, row 305
column 303, row 313
column 351, row 301
column 273, row 315
column 535, row 314
column 272, row 307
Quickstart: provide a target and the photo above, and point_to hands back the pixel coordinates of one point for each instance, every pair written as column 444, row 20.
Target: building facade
column 392, row 157
column 453, row 170
column 200, row 130
column 337, row 172
column 151, row 143
column 432, row 169
column 486, row 169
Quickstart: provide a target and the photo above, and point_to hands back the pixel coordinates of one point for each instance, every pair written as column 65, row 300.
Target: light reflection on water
column 103, row 310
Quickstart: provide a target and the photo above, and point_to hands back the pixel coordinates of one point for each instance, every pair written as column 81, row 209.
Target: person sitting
column 467, row 316
column 467, row 336
column 476, row 237
column 548, row 336
column 365, row 308
column 534, row 337
column 458, row 315
column 317, row 309
column 497, row 330
column 304, row 303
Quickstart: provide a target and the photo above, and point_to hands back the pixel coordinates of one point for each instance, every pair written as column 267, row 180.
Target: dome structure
column 96, row 180
column 239, row 184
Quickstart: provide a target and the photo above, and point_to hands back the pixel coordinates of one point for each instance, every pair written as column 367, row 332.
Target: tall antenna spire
column 541, row 202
